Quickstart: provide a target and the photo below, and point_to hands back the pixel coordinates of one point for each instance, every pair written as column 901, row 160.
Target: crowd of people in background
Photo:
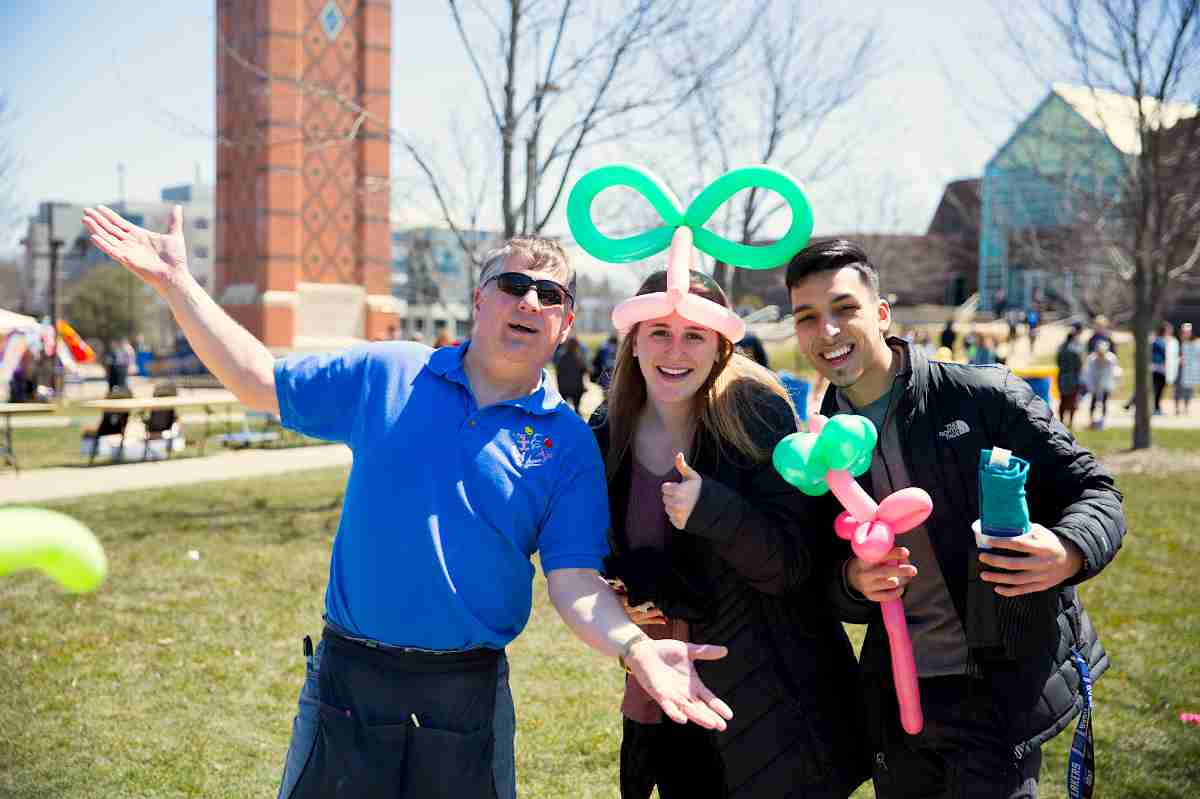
column 1088, row 367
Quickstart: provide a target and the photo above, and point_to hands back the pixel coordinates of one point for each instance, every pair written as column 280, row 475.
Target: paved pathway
column 40, row 485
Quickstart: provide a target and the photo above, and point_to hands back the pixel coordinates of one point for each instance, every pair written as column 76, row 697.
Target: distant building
column 77, row 255
column 10, row 285
column 595, row 300
column 1048, row 190
column 939, row 267
column 433, row 278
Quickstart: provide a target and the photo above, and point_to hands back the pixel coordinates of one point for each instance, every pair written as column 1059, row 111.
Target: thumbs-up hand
column 679, row 499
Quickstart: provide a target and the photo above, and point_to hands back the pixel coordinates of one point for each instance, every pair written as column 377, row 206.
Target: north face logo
column 955, row 429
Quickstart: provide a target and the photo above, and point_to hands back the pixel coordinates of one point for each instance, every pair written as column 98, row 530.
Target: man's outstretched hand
column 666, row 671
column 157, row 258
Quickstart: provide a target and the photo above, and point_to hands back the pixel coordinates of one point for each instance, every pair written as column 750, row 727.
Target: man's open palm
column 154, row 257
column 666, row 671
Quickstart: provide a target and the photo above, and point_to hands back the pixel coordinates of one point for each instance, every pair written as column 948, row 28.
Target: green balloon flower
column 845, row 443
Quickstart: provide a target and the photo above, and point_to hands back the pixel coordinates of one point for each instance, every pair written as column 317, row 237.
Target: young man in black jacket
column 995, row 633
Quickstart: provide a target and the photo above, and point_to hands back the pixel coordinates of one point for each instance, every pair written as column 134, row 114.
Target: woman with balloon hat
column 708, row 546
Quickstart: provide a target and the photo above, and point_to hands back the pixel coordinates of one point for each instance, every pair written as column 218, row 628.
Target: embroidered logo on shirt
column 534, row 448
column 955, row 429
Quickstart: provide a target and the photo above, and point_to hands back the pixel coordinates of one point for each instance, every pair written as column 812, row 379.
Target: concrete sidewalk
column 40, row 485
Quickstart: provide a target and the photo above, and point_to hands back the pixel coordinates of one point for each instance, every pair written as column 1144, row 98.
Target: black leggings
column 681, row 759
column 1160, row 385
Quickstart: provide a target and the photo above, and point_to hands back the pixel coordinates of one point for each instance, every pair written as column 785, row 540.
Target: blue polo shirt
column 446, row 502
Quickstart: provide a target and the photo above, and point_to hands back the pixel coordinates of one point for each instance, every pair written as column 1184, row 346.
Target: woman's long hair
column 730, row 398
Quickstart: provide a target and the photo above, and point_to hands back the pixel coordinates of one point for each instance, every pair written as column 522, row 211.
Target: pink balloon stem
column 851, row 495
column 904, row 668
column 679, row 261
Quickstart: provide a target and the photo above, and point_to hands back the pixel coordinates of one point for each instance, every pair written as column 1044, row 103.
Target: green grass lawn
column 179, row 677
column 1118, row 439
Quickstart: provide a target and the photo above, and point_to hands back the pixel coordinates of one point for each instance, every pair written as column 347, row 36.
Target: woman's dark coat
column 740, row 574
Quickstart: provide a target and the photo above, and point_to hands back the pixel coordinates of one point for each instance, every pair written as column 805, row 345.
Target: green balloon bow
column 845, row 443
column 643, row 245
column 55, row 544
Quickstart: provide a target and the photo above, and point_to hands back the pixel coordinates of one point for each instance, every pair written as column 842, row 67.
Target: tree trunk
column 1142, row 323
column 510, row 122
column 721, row 273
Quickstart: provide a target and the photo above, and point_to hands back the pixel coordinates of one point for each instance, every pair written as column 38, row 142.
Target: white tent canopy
column 15, row 321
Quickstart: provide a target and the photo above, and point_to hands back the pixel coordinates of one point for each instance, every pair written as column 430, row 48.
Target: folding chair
column 162, row 424
column 111, row 423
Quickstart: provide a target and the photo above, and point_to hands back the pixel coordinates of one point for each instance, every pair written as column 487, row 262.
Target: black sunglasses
column 518, row 284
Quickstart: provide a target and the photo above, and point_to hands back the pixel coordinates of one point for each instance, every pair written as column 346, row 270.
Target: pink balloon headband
column 678, row 233
column 678, row 299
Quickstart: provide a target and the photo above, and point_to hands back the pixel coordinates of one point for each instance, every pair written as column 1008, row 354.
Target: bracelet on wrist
column 627, row 647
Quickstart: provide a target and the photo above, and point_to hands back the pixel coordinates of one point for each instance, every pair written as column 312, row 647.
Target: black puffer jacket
column 740, row 573
column 947, row 415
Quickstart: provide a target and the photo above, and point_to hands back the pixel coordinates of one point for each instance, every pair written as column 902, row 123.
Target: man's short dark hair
column 830, row 255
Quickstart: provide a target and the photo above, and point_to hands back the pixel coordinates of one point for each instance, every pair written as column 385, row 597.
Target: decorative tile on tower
column 332, row 20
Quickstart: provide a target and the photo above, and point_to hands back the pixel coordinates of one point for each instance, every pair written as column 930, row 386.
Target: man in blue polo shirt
column 465, row 464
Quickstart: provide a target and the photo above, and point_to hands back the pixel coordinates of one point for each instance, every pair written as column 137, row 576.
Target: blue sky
column 133, row 82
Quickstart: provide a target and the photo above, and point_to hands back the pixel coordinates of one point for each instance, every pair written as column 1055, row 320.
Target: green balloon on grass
column 54, row 544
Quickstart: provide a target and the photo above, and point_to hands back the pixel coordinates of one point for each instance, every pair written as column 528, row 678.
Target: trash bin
column 797, row 389
column 1042, row 379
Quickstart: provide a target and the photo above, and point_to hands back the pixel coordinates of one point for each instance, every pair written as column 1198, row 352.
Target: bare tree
column 1132, row 222
column 559, row 78
column 770, row 102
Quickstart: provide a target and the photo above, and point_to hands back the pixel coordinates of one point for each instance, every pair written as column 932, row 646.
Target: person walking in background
column 116, row 365
column 1100, row 374
column 569, row 369
column 1158, row 364
column 1159, row 349
column 985, row 352
column 1189, row 368
column 752, row 347
column 1100, row 332
column 604, row 361
column 1033, row 318
column 708, row 543
column 971, row 344
column 1069, row 360
column 924, row 342
column 948, row 336
column 1172, row 368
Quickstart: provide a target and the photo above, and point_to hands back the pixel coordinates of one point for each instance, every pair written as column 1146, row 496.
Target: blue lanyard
column 1081, row 766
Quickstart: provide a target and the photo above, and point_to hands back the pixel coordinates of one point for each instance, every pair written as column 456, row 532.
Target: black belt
column 416, row 659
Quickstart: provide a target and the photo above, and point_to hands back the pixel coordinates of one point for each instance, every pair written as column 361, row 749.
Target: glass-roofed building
column 1049, row 190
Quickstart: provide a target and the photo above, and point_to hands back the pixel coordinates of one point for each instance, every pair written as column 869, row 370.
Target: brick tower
column 303, row 242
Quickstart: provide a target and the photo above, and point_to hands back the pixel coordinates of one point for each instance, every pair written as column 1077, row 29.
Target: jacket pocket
column 448, row 765
column 353, row 760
